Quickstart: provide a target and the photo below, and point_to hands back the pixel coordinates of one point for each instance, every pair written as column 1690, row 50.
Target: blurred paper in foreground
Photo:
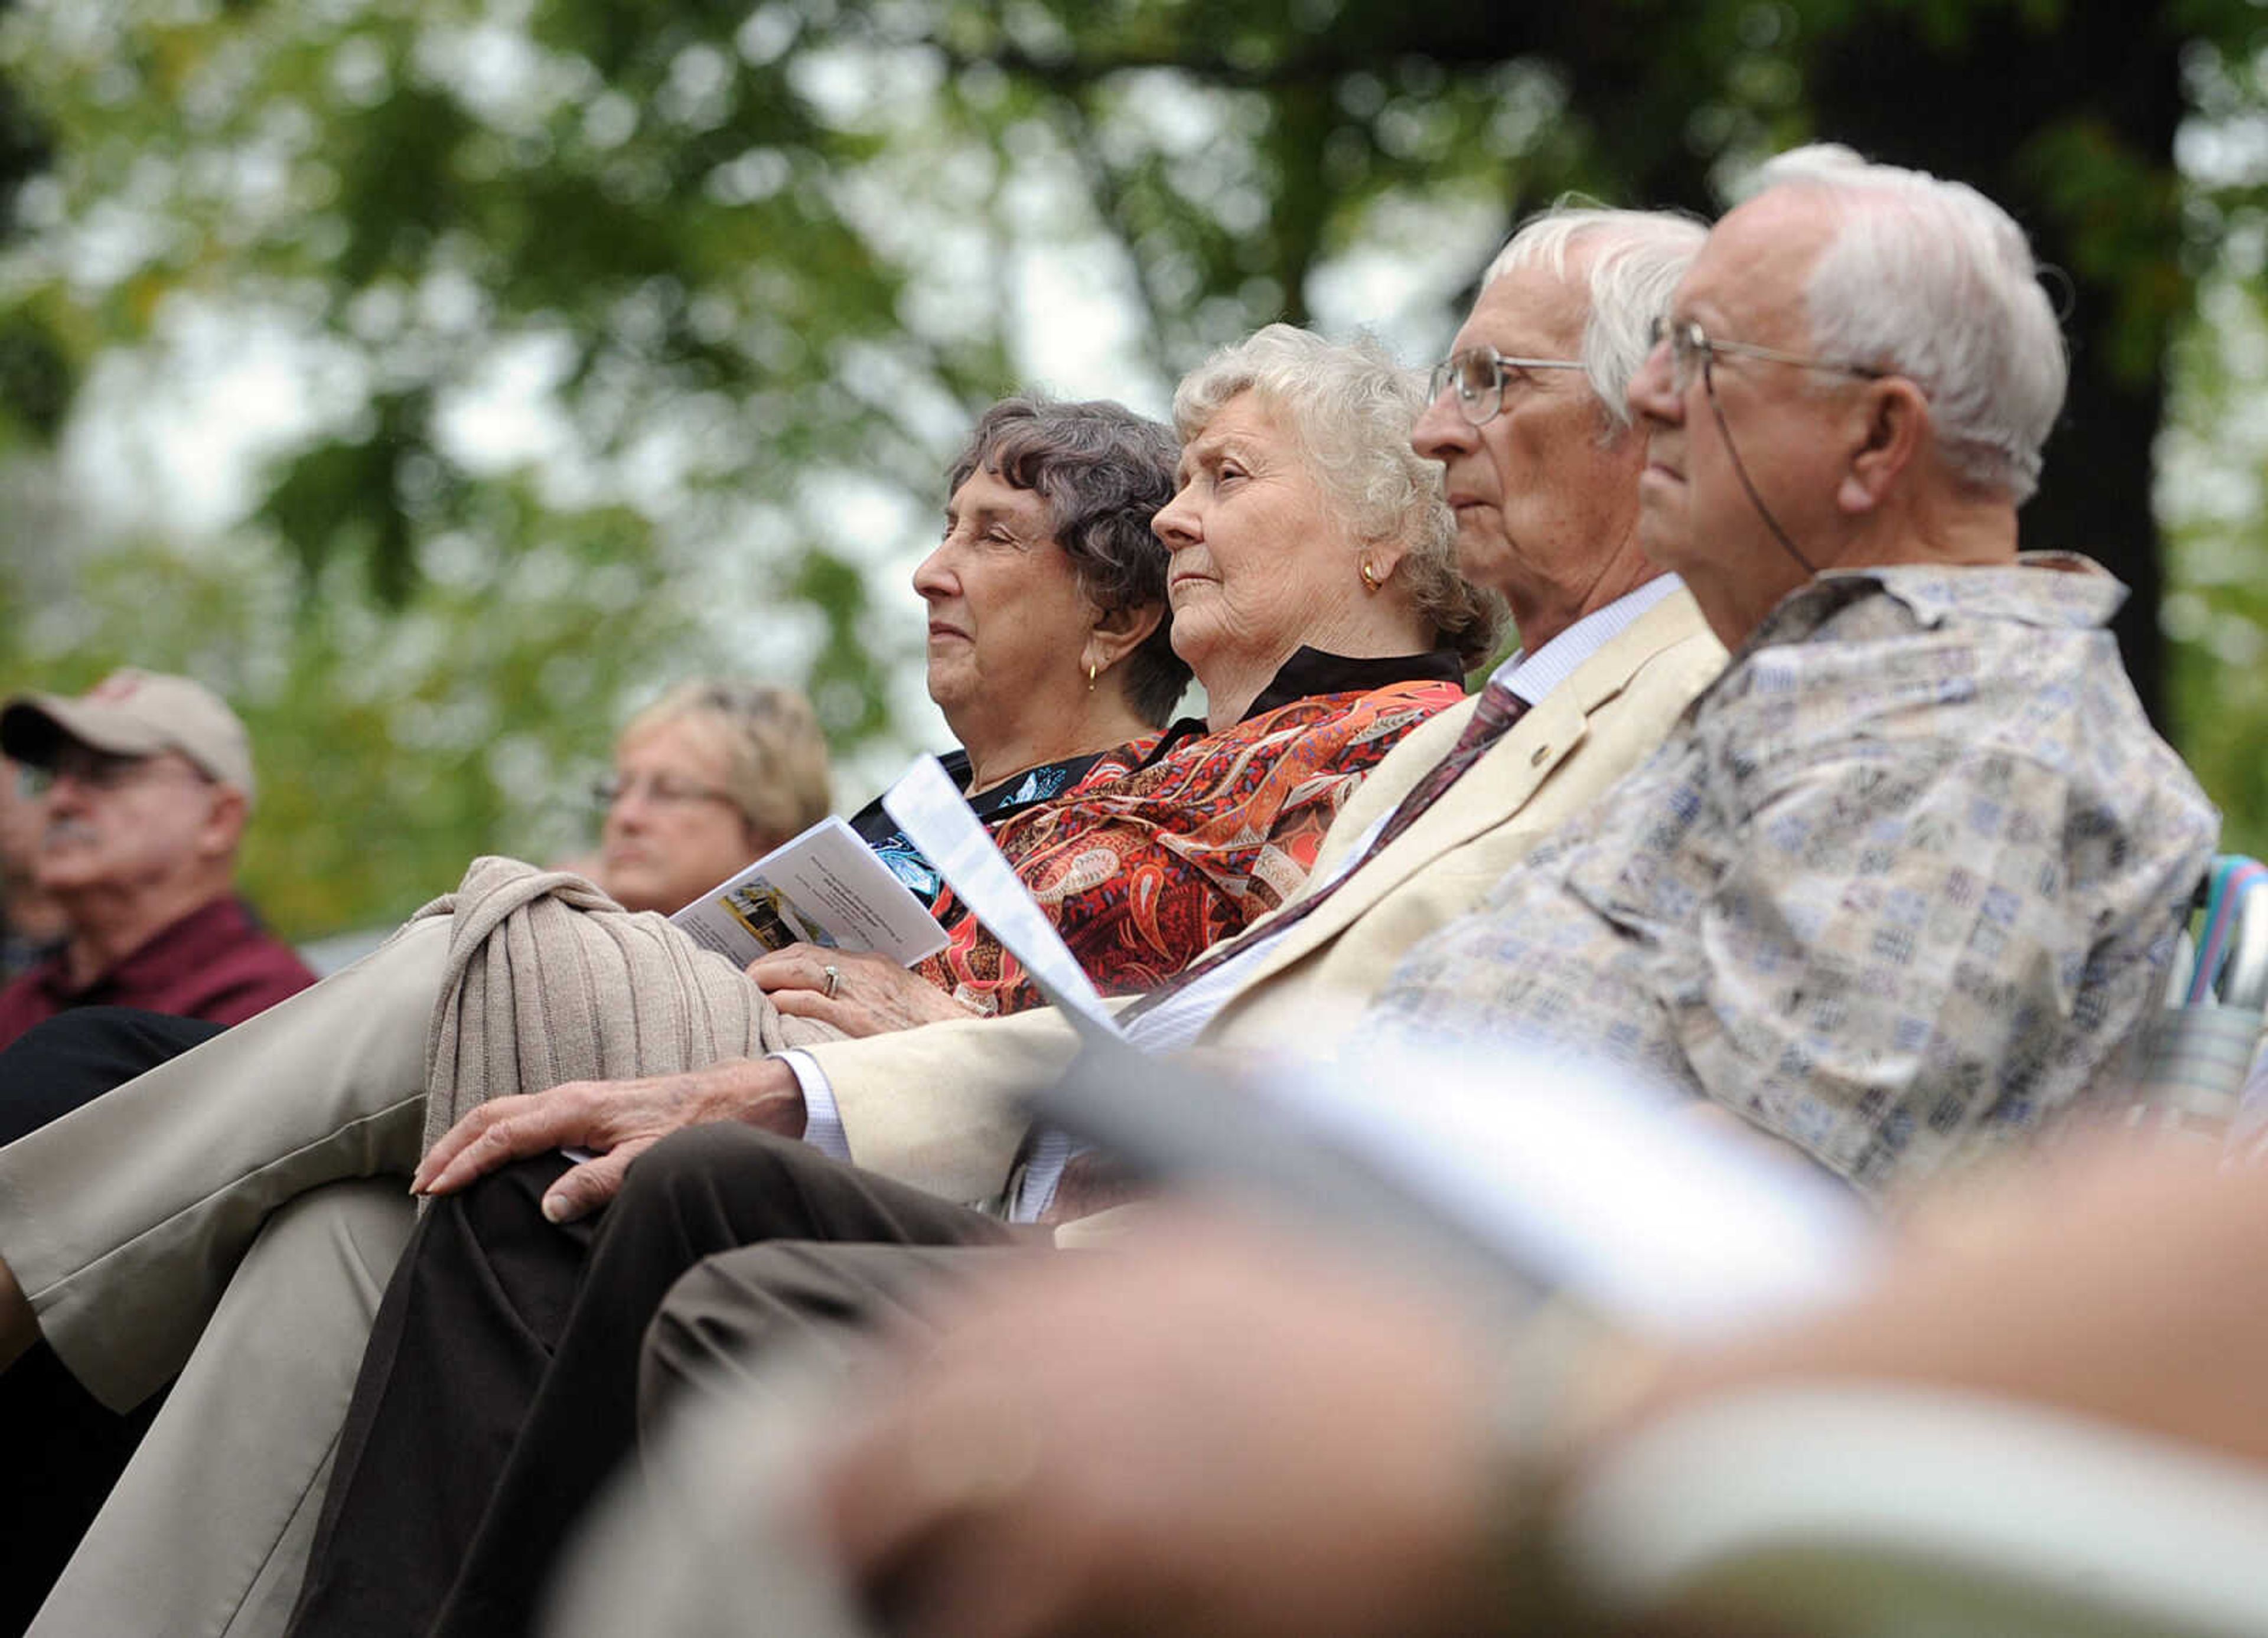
column 1563, row 1173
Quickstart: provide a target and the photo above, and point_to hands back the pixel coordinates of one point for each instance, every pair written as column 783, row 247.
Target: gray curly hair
column 1351, row 410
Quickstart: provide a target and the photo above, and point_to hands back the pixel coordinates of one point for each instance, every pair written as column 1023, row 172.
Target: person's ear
column 225, row 814
column 1377, row 560
column 1889, row 428
column 1116, row 633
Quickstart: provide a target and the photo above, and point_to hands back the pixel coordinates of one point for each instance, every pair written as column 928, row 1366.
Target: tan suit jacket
column 940, row 1106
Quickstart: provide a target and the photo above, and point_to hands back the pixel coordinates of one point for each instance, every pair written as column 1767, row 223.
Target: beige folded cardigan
column 549, row 981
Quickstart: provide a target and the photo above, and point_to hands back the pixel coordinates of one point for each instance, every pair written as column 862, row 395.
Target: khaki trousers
column 181, row 1224
column 207, row 1530
column 123, row 1221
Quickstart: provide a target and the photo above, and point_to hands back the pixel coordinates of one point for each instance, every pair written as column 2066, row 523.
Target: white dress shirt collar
column 1533, row 676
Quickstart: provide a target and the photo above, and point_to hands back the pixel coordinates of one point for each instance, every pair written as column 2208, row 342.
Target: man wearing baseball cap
column 145, row 783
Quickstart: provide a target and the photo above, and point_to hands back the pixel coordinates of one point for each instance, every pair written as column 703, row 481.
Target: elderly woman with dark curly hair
column 1314, row 591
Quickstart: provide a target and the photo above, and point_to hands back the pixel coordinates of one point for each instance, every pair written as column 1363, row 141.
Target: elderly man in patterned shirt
column 1901, row 882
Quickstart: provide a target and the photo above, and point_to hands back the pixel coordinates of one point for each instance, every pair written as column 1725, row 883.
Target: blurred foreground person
column 145, row 783
column 1215, row 1430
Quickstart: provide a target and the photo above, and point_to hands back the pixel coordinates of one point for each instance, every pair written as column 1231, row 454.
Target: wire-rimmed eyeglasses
column 97, row 770
column 1480, row 374
column 1692, row 351
column 1691, row 348
column 659, row 789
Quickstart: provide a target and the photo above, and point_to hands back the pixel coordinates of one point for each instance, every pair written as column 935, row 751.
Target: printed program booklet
column 826, row 888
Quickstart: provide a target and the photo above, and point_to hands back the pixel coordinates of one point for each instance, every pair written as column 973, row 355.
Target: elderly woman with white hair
column 1312, row 559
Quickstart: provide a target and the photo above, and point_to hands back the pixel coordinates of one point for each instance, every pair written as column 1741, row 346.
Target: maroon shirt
column 214, row 962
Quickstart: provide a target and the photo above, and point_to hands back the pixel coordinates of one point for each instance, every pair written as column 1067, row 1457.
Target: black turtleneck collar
column 1311, row 672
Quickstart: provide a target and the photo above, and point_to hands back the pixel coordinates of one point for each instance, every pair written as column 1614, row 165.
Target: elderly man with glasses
column 1901, row 883
column 144, row 786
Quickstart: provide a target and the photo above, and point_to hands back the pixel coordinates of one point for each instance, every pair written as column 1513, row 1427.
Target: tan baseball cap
column 133, row 713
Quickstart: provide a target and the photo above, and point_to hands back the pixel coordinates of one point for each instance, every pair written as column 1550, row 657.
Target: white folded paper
column 937, row 820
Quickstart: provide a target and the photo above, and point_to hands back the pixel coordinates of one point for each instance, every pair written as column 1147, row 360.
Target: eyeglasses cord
column 1741, row 471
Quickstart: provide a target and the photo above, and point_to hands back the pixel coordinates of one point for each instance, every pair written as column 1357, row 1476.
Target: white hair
column 1351, row 410
column 1931, row 279
column 1637, row 257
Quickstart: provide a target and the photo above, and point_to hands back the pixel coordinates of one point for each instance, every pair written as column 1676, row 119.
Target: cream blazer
column 941, row 1107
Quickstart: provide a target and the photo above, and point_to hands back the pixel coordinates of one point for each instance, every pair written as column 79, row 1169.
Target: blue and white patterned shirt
column 1897, row 885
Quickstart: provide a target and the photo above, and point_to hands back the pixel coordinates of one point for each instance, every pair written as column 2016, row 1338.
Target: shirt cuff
column 822, row 1122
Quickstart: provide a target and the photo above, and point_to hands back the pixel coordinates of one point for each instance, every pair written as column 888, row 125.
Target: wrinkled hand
column 872, row 995
column 1213, row 1433
column 620, row 1119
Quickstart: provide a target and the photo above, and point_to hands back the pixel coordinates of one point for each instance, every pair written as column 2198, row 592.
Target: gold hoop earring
column 1369, row 577
column 1092, row 672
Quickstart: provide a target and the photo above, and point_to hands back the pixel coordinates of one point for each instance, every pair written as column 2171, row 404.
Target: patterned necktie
column 1500, row 708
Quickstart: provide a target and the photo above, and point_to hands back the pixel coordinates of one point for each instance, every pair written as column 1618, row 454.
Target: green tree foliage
column 392, row 741
column 645, row 201
column 763, row 260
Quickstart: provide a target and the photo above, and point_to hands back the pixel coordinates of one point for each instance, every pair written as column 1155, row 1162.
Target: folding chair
column 2193, row 1061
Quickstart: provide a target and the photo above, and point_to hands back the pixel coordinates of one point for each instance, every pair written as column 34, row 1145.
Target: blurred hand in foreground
column 1213, row 1435
column 2124, row 1283
column 1219, row 1431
